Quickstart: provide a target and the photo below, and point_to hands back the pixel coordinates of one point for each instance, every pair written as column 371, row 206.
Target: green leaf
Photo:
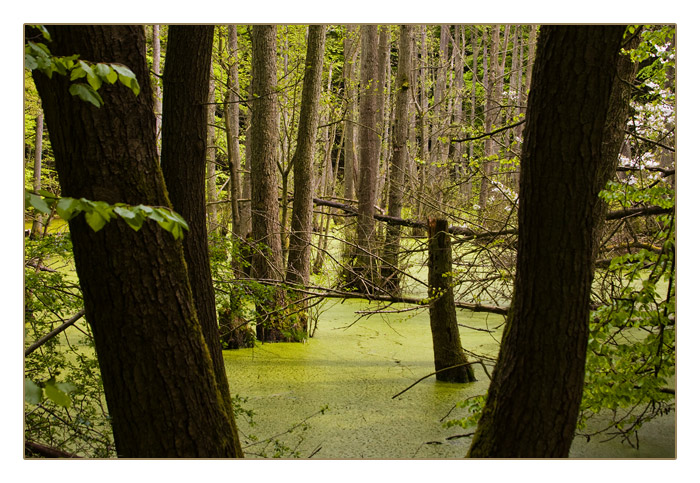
column 106, row 72
column 86, row 93
column 67, row 208
column 37, row 202
column 54, row 393
column 127, row 78
column 32, row 392
column 95, row 219
column 131, row 216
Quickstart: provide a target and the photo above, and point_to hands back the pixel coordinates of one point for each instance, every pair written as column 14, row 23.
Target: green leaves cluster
column 99, row 213
column 37, row 56
column 58, row 392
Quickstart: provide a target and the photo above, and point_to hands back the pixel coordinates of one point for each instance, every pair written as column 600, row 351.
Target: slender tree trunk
column 534, row 397
column 424, row 121
column 157, row 96
column 231, row 119
column 447, row 344
column 368, row 140
column 399, row 158
column 183, row 160
column 299, row 262
column 350, row 50
column 212, row 211
column 264, row 144
column 159, row 379
column 38, row 149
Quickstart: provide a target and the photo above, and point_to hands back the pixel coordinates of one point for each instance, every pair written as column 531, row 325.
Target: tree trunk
column 298, row 267
column 184, row 159
column 157, row 96
column 231, row 119
column 447, row 345
column 399, row 158
column 533, row 401
column 159, row 378
column 368, row 140
column 350, row 49
column 264, row 143
column 212, row 211
column 38, row 150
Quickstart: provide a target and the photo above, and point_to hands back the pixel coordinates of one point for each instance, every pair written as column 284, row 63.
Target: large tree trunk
column 450, row 360
column 158, row 374
column 184, row 159
column 264, row 142
column 534, row 397
column 350, row 49
column 399, row 161
column 157, row 96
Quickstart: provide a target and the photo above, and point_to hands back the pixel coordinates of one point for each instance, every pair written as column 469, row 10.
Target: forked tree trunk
column 449, row 356
column 534, row 397
column 159, row 379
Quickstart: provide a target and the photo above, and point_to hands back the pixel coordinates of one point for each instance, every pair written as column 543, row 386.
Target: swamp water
column 354, row 367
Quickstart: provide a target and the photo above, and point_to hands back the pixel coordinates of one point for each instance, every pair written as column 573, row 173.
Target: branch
column 432, row 374
column 35, row 449
column 54, row 332
column 643, row 211
column 496, row 131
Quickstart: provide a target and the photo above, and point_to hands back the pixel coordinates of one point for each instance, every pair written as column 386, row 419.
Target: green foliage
column 37, row 56
column 64, row 399
column 99, row 213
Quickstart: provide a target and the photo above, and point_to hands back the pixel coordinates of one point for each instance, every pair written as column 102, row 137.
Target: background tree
column 299, row 261
column 264, row 125
column 534, row 397
column 158, row 375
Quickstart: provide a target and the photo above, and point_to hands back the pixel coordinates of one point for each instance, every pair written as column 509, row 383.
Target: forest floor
column 354, row 367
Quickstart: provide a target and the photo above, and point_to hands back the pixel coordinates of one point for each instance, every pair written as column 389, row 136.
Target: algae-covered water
column 353, row 368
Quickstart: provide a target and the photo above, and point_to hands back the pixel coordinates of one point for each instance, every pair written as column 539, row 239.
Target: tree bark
column 299, row 261
column 532, row 404
column 231, row 119
column 264, row 142
column 38, row 151
column 368, row 141
column 184, row 160
column 447, row 345
column 350, row 49
column 157, row 96
column 399, row 160
column 158, row 375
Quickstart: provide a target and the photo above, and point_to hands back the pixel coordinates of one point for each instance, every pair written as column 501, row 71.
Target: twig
column 432, row 374
column 54, row 332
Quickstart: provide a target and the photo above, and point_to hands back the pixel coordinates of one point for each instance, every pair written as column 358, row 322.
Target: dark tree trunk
column 447, row 345
column 267, row 258
column 183, row 161
column 158, row 374
column 534, row 397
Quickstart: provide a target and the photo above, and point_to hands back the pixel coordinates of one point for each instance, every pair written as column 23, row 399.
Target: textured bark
column 158, row 374
column 299, row 261
column 183, row 161
column 264, row 141
column 399, row 160
column 157, row 96
column 231, row 119
column 534, row 397
column 38, row 150
column 350, row 50
column 368, row 141
column 447, row 345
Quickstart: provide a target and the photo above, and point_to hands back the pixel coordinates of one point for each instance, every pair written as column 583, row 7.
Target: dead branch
column 54, row 332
